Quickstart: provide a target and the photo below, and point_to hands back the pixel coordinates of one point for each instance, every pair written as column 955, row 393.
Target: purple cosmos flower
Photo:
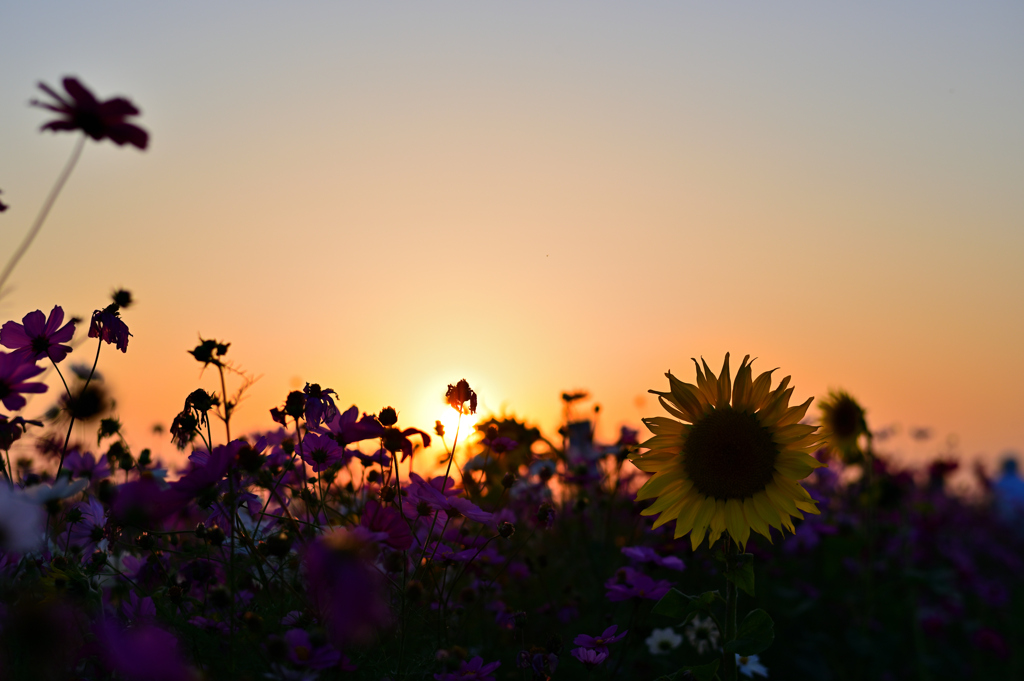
column 601, row 642
column 145, row 653
column 452, row 505
column 320, row 451
column 379, row 518
column 474, row 670
column 86, row 465
column 107, row 326
column 302, row 652
column 138, row 610
column 645, row 554
column 629, row 583
column 14, row 369
column 99, row 120
column 144, row 503
column 38, row 336
column 88, row 531
column 12, row 428
column 349, row 428
column 590, row 657
column 319, row 405
column 345, row 587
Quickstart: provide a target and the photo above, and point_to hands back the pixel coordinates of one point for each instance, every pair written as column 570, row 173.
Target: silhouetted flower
column 349, row 428
column 396, row 440
column 461, row 397
column 12, row 428
column 38, row 336
column 107, row 326
column 320, row 451
column 3, row 206
column 14, row 370
column 99, row 120
column 319, row 405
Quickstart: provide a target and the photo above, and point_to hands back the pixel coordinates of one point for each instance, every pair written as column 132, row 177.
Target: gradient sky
column 387, row 197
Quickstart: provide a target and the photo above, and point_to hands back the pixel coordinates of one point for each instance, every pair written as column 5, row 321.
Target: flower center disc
column 729, row 454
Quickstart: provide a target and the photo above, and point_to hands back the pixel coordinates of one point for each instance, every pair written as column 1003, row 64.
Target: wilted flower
column 39, row 336
column 461, row 397
column 107, row 325
column 319, row 404
column 99, row 120
column 663, row 640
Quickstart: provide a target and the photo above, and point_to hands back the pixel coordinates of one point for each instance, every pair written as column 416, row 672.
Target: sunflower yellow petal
column 700, row 523
column 794, row 414
column 808, row 507
column 796, row 465
column 717, row 526
column 724, row 385
column 754, row 519
column 736, row 523
column 684, row 523
column 671, row 513
column 661, row 425
column 659, row 482
column 666, row 500
column 781, row 501
column 761, row 388
column 710, row 383
column 741, row 387
column 766, row 510
column 791, row 489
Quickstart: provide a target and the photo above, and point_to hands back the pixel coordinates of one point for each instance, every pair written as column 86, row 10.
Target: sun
column 732, row 461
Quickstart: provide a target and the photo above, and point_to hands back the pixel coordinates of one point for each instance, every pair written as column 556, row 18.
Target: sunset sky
column 387, row 197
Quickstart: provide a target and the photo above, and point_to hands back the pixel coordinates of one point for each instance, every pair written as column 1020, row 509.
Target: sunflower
column 733, row 464
column 842, row 424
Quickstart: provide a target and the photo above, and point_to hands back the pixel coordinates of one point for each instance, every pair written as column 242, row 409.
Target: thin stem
column 729, row 670
column 43, row 212
column 67, row 438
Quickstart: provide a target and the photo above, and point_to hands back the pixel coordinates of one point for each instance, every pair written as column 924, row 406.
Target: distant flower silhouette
column 14, row 370
column 99, row 120
column 38, row 336
column 3, row 206
column 461, row 397
column 107, row 326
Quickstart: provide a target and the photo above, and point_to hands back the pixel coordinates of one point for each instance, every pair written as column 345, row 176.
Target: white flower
column 702, row 634
column 663, row 640
column 751, row 665
column 62, row 489
column 22, row 522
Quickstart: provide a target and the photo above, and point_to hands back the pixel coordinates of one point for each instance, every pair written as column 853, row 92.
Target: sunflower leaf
column 677, row 605
column 742, row 575
column 755, row 634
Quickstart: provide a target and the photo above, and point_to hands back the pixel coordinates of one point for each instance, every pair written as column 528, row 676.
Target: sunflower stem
column 729, row 663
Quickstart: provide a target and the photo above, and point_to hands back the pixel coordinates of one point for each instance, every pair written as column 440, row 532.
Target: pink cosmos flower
column 14, row 370
column 107, row 326
column 454, row 506
column 99, row 120
column 474, row 670
column 320, row 451
column 629, row 583
column 38, row 336
column 599, row 642
column 590, row 657
column 302, row 652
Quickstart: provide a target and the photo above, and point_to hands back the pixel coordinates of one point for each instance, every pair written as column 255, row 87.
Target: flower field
column 743, row 537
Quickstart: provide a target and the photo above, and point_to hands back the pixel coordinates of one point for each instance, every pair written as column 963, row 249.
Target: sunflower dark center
column 729, row 454
column 846, row 419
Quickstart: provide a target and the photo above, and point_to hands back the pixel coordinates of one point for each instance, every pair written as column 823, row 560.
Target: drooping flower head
column 732, row 461
column 99, row 120
column 15, row 370
column 38, row 336
column 107, row 325
column 461, row 397
column 319, row 404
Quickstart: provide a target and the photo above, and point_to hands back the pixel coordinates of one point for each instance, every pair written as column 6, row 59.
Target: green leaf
column 755, row 634
column 742, row 576
column 674, row 604
column 677, row 605
column 701, row 672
